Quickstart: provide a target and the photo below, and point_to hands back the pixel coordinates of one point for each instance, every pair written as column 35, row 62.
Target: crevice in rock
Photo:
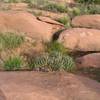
column 50, row 22
column 82, row 53
column 57, row 34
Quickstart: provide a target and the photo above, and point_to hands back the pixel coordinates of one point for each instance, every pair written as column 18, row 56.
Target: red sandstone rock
column 87, row 21
column 47, row 86
column 81, row 39
column 90, row 60
column 26, row 23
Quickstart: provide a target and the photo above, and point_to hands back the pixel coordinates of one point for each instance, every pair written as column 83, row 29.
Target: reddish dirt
column 47, row 86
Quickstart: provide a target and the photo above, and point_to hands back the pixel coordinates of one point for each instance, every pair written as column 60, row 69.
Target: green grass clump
column 65, row 21
column 55, row 7
column 13, row 63
column 83, row 9
column 89, row 9
column 10, row 40
column 89, row 1
column 78, row 10
column 55, row 47
column 53, row 61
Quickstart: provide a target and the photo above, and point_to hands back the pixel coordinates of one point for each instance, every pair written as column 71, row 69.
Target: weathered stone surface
column 26, row 23
column 2, row 96
column 47, row 86
column 87, row 21
column 90, row 60
column 81, row 39
column 56, row 25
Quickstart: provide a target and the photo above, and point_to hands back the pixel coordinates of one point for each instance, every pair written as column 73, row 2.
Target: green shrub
column 89, row 9
column 54, row 61
column 83, row 10
column 10, row 40
column 13, row 63
column 94, row 9
column 78, row 10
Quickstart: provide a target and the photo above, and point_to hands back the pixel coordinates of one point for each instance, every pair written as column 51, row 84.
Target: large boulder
column 88, row 21
column 26, row 23
column 81, row 39
column 90, row 60
column 48, row 86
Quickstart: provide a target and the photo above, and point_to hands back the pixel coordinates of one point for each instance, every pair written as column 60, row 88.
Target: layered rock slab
column 47, row 86
column 24, row 22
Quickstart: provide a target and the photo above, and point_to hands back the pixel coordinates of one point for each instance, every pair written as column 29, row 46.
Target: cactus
column 54, row 61
column 41, row 61
column 61, row 61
